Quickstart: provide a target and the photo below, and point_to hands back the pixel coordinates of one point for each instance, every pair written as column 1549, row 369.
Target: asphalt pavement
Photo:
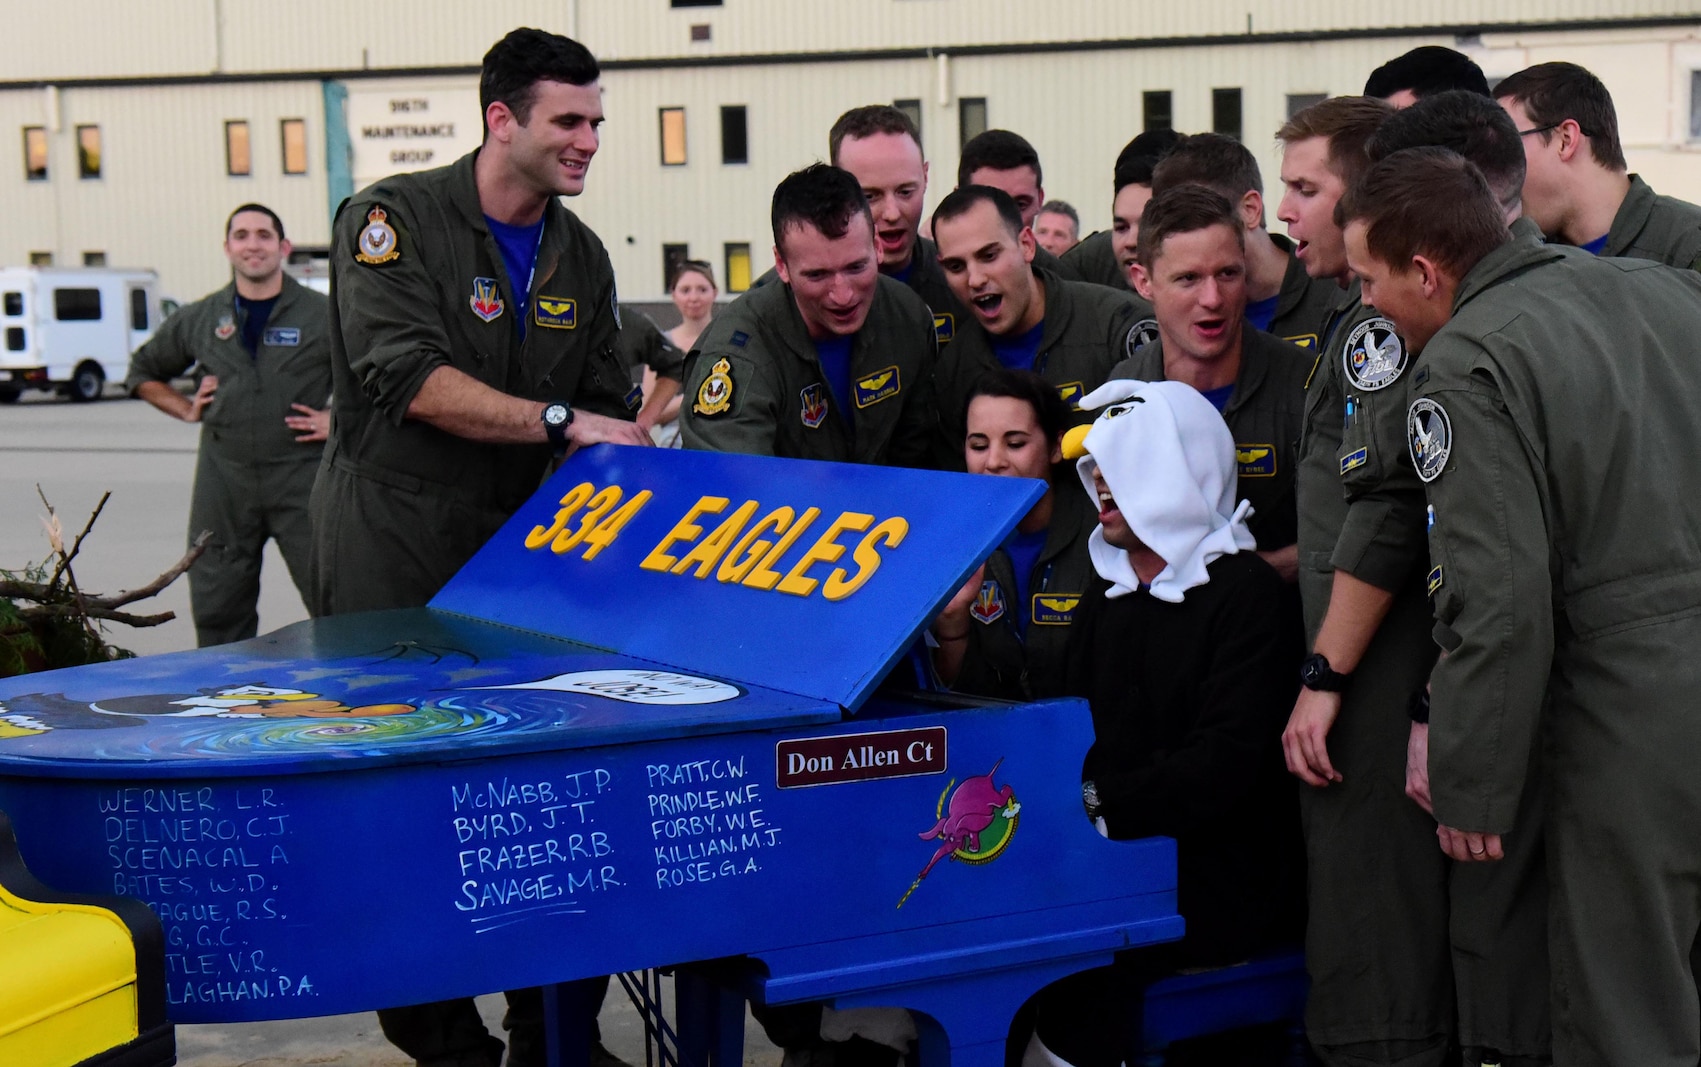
column 146, row 460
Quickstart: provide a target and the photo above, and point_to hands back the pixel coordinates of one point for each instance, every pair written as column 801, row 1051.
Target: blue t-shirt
column 1024, row 551
column 1219, row 397
column 834, row 354
column 903, row 274
column 1261, row 313
column 257, row 312
column 1597, row 246
column 1020, row 351
column 519, row 256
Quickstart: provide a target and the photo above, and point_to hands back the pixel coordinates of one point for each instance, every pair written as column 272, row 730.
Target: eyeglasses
column 1541, row 129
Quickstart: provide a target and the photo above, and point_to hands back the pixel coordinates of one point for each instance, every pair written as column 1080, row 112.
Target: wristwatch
column 556, row 419
column 1315, row 673
column 1090, row 799
column 1418, row 707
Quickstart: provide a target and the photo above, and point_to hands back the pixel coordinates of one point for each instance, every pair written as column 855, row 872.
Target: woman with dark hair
column 1004, row 633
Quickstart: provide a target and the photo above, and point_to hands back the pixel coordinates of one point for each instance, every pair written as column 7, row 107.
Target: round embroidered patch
column 715, row 394
column 1140, row 335
column 378, row 241
column 1431, row 433
column 1373, row 357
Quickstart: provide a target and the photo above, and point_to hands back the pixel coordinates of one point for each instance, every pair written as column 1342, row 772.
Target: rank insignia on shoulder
column 1140, row 335
column 989, row 603
column 1431, row 435
column 226, row 329
column 1054, row 609
column 557, row 313
column 377, row 243
column 813, row 405
column 281, row 337
column 714, row 396
column 1373, row 357
column 740, row 338
column 1256, row 461
column 944, row 327
column 1071, row 393
column 1352, row 461
column 486, row 299
column 1304, row 340
column 877, row 387
column 634, row 398
column 1435, row 580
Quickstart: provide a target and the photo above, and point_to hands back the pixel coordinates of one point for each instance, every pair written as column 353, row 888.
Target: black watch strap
column 1316, row 674
column 1418, row 707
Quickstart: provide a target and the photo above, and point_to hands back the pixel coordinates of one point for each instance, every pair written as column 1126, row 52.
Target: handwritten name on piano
column 763, row 553
column 705, row 822
column 529, row 847
column 212, row 863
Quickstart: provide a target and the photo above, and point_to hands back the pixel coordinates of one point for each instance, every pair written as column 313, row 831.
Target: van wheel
column 88, row 384
column 9, row 394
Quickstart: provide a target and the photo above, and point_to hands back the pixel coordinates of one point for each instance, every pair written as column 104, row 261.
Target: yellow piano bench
column 82, row 978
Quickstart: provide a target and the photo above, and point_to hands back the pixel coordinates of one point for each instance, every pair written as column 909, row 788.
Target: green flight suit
column 1661, row 228
column 400, row 505
column 1094, row 260
column 1088, row 330
column 643, row 344
column 252, row 477
column 754, row 383
column 1016, row 651
column 1304, row 303
column 1553, row 417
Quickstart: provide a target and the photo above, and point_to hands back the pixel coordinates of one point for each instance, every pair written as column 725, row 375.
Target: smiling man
column 1025, row 317
column 835, row 362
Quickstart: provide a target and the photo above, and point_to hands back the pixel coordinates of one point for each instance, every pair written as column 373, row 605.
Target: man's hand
column 589, row 428
column 310, row 425
column 1285, row 561
column 203, row 396
column 1468, row 846
column 1417, row 766
column 1304, row 742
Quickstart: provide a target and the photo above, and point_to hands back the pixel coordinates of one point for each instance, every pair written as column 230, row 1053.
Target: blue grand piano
column 641, row 728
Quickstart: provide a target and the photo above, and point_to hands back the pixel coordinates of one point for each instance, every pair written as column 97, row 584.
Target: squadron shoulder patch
column 1054, row 609
column 1373, row 356
column 1140, row 335
column 714, row 396
column 876, row 387
column 557, row 313
column 812, row 405
column 486, row 299
column 1256, row 461
column 377, row 243
column 226, row 329
column 989, row 603
column 1431, row 434
column 944, row 328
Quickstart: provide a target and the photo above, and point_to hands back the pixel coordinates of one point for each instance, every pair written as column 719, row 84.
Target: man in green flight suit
column 1567, row 580
column 261, row 352
column 1026, row 318
column 1579, row 189
column 835, row 362
column 1006, row 161
column 1104, row 256
column 474, row 335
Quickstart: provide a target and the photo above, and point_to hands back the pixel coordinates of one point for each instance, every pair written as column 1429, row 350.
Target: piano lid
column 807, row 577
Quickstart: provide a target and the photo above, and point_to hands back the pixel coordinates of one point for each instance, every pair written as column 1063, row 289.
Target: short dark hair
column 1426, row 70
column 1431, row 202
column 997, row 150
column 1184, row 209
column 1470, row 124
column 1064, row 208
column 262, row 209
column 1347, row 123
column 961, row 199
column 1050, row 410
column 1550, row 93
column 819, row 195
column 515, row 64
column 860, row 122
column 1140, row 157
column 1213, row 160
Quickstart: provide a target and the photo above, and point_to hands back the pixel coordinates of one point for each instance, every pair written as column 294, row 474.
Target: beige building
column 137, row 134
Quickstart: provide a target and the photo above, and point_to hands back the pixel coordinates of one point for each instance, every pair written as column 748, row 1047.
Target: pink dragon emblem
column 975, row 806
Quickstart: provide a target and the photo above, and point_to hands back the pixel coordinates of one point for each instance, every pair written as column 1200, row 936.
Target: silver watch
column 1090, row 799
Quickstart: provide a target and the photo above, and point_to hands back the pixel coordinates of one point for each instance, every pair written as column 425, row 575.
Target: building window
column 35, row 153
column 15, row 341
column 14, row 305
column 138, row 309
column 702, row 31
column 1298, row 102
column 1157, row 110
column 94, row 259
column 41, row 259
column 673, row 256
column 294, row 133
column 673, row 136
column 238, row 158
column 76, row 305
column 912, row 108
column 88, row 151
column 1225, row 112
column 694, row 3
column 735, row 135
column 737, row 268
column 971, row 118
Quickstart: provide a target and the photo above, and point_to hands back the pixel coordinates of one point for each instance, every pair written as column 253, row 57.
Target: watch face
column 555, row 415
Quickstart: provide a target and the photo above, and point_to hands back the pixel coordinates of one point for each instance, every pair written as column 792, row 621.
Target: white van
column 72, row 329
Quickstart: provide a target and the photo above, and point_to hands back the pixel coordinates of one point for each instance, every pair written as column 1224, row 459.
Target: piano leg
column 567, row 1008
column 710, row 1021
